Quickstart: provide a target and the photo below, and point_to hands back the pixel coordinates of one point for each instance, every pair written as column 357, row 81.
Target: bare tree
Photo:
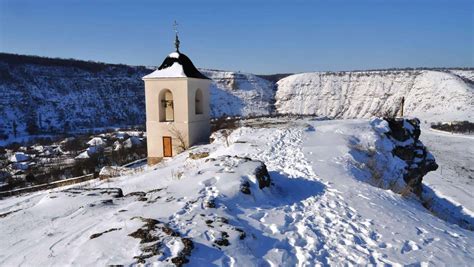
column 180, row 137
column 226, row 133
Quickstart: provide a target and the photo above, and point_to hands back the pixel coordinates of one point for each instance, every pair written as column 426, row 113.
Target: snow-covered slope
column 430, row 95
column 239, row 94
column 57, row 95
column 318, row 209
column 454, row 179
column 61, row 98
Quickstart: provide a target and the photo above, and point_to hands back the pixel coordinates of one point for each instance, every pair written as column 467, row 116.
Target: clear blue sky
column 252, row 36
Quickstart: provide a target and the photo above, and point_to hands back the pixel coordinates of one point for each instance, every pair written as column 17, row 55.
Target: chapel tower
column 177, row 107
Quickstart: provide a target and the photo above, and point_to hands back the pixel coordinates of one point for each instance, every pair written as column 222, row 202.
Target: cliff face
column 429, row 95
column 239, row 94
column 41, row 95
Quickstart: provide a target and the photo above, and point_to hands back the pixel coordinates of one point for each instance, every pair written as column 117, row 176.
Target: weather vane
column 176, row 41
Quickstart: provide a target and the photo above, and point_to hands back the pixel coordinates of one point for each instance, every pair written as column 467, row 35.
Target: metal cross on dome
column 176, row 41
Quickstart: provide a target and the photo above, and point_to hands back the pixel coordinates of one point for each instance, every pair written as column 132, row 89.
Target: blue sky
column 251, row 36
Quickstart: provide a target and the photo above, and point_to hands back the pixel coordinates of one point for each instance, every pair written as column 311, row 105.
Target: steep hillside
column 43, row 95
column 429, row 95
column 239, row 94
column 51, row 95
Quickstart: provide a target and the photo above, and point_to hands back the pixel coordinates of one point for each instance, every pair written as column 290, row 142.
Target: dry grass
column 198, row 155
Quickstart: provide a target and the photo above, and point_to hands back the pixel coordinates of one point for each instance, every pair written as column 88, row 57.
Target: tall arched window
column 198, row 102
column 166, row 107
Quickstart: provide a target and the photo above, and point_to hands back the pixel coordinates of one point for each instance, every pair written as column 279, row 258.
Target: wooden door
column 167, row 146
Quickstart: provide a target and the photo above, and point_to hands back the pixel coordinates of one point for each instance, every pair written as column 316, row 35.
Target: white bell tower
column 177, row 107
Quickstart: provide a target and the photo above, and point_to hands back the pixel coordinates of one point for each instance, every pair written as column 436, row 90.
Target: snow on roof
column 174, row 55
column 176, row 65
column 175, row 71
column 19, row 157
column 96, row 141
column 83, row 155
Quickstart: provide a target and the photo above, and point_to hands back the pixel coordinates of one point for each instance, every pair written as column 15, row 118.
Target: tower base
column 153, row 160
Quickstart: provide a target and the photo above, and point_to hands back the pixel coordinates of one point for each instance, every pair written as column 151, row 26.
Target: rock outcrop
column 405, row 134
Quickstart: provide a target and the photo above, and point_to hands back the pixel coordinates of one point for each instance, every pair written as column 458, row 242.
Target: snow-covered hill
column 58, row 95
column 239, row 94
column 41, row 95
column 48, row 97
column 429, row 95
column 217, row 207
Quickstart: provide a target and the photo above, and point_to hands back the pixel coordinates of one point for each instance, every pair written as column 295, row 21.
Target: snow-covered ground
column 454, row 179
column 318, row 211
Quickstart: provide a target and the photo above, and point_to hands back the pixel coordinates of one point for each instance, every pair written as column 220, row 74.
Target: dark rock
column 263, row 177
column 405, row 153
column 108, row 231
column 397, row 131
column 222, row 220
column 182, row 259
column 211, row 204
column 245, row 188
column 222, row 242
column 167, row 230
column 242, row 234
column 138, row 193
column 108, row 201
column 416, row 156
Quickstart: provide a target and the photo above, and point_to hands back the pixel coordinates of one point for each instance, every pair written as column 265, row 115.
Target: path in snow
column 318, row 212
column 322, row 228
column 405, row 231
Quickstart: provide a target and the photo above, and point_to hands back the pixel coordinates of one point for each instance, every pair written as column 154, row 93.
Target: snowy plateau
column 324, row 189
column 319, row 209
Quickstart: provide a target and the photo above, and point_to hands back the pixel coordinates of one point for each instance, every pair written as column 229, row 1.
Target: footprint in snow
column 409, row 246
column 420, row 231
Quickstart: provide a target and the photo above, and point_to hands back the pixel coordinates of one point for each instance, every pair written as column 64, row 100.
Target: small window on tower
column 198, row 102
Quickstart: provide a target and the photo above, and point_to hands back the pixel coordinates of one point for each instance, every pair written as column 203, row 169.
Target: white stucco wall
column 194, row 128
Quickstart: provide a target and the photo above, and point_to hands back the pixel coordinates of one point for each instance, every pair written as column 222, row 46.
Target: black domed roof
column 188, row 67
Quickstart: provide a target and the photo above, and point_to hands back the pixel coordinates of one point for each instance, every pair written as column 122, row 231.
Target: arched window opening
column 166, row 108
column 198, row 102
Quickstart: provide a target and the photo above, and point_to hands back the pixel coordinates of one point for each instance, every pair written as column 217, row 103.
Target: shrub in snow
column 113, row 171
column 4, row 177
column 199, row 155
